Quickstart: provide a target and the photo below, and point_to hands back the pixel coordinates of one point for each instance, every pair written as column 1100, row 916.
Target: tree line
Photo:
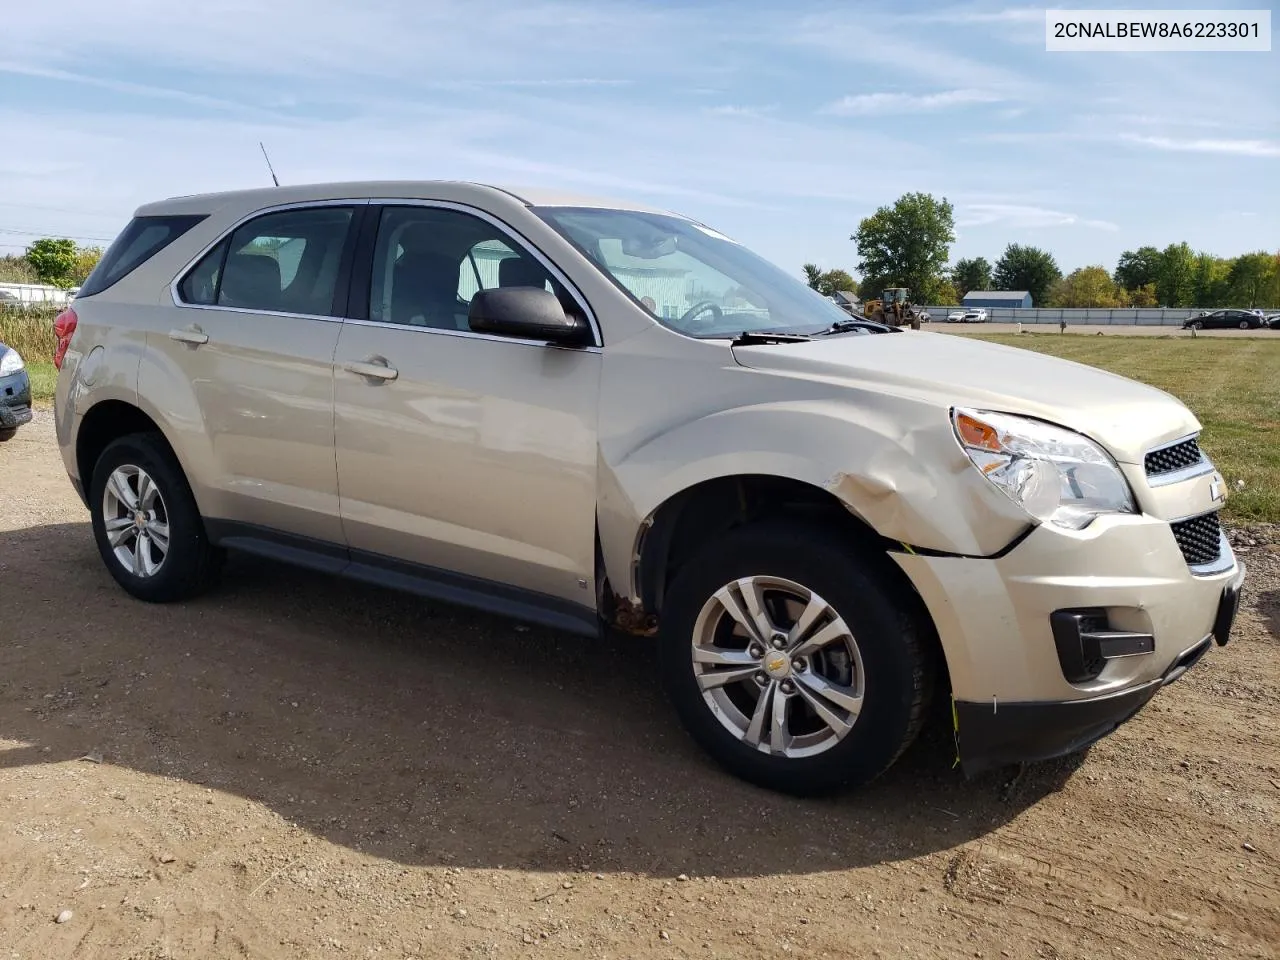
column 908, row 245
column 53, row 261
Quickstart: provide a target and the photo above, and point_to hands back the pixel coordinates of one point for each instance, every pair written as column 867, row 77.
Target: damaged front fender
column 906, row 477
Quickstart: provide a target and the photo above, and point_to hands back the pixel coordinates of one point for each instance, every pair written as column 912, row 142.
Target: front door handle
column 374, row 369
column 192, row 335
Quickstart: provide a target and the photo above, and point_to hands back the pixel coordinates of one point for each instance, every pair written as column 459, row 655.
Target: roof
column 997, row 294
column 848, row 296
column 373, row 189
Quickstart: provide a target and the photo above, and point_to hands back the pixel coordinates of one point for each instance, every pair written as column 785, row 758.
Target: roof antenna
column 269, row 167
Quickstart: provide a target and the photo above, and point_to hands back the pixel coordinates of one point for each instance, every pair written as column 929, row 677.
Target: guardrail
column 1093, row 316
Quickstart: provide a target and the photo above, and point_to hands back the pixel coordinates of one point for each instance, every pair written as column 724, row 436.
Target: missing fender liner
column 631, row 617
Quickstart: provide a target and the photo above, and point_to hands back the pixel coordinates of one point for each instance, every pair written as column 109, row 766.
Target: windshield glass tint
column 691, row 278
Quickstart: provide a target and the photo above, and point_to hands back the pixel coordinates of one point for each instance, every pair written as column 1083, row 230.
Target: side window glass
column 201, row 284
column 428, row 263
column 286, row 262
column 492, row 263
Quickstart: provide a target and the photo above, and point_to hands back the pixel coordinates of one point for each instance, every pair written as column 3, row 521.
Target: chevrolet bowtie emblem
column 1216, row 490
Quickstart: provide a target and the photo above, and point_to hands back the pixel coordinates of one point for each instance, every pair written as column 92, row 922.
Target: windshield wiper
column 848, row 326
column 748, row 338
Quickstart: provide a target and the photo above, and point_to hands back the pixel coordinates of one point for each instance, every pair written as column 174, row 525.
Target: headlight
column 1056, row 475
column 10, row 362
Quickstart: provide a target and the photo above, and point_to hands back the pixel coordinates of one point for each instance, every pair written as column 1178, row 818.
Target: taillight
column 64, row 325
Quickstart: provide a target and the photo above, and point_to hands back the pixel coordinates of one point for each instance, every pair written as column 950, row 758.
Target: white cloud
column 890, row 44
column 1021, row 216
column 1241, row 148
column 880, row 104
column 972, row 15
column 135, row 89
column 733, row 110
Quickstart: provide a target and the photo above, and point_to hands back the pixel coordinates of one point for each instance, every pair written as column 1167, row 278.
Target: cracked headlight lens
column 1056, row 475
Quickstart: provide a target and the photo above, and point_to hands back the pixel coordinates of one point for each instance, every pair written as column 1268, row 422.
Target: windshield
column 691, row 278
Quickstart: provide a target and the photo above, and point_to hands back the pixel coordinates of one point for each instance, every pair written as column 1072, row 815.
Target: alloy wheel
column 778, row 666
column 135, row 520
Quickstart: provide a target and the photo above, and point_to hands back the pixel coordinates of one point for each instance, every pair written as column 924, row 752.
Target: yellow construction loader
column 893, row 307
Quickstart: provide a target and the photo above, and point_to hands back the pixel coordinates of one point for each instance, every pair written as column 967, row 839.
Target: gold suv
column 594, row 415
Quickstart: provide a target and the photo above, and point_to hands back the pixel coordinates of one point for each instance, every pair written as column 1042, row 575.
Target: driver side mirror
column 529, row 313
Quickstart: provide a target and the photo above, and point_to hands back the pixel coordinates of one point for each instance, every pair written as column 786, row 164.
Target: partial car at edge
column 15, row 392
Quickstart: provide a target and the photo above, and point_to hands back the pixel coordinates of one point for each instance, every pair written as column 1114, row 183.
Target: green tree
column 827, row 282
column 1271, row 294
column 906, row 245
column 1176, row 286
column 1137, row 268
column 1249, row 281
column 945, row 295
column 52, row 260
column 1085, row 287
column 971, row 274
column 1209, row 281
column 1027, row 268
column 1143, row 296
column 86, row 259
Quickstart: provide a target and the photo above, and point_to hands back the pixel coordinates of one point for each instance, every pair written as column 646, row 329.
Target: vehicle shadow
column 1269, row 607
column 426, row 734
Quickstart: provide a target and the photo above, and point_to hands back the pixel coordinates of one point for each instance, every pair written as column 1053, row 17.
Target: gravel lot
column 300, row 767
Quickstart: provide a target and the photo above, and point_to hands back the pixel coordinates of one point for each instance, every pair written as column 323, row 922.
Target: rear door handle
column 192, row 335
column 374, row 369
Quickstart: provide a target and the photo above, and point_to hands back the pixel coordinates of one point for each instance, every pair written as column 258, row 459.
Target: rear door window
column 141, row 240
column 285, row 262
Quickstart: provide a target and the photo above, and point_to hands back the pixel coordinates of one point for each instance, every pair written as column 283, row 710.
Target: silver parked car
column 596, row 415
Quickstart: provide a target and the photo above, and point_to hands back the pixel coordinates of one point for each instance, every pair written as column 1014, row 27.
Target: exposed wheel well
column 692, row 518
column 105, row 422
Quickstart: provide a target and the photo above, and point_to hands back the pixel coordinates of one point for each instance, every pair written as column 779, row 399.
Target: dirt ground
column 296, row 766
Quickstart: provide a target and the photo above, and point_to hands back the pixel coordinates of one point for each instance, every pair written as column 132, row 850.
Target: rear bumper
column 995, row 734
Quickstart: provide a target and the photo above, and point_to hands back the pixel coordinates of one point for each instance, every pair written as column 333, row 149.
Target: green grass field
column 1232, row 385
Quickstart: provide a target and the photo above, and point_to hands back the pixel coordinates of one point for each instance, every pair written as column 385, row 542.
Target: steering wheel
column 704, row 306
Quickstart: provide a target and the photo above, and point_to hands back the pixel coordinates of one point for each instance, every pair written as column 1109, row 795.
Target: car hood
column 1126, row 417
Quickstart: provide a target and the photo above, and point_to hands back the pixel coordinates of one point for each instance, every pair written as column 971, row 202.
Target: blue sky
column 782, row 124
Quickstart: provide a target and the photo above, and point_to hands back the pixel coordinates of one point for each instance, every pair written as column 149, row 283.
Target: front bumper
column 15, row 400
column 1016, row 696
column 990, row 735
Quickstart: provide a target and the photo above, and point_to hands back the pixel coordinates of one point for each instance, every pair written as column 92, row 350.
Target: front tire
column 7, row 435
column 795, row 664
column 146, row 523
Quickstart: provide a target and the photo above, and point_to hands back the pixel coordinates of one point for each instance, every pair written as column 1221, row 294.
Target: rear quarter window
column 141, row 240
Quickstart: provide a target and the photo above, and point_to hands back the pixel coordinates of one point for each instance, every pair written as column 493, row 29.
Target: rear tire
column 146, row 523
column 874, row 681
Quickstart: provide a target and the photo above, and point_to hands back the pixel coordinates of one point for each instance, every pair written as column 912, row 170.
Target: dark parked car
column 1273, row 321
column 1219, row 319
column 15, row 393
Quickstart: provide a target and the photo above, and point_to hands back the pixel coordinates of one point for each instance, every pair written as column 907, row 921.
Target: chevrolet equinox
column 594, row 415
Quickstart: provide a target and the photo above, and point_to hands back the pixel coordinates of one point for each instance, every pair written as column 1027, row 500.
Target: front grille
column 1168, row 459
column 1199, row 539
